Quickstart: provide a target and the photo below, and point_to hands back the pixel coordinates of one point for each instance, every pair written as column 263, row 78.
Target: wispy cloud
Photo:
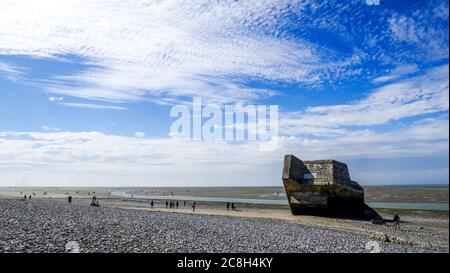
column 398, row 72
column 10, row 72
column 165, row 51
column 92, row 106
column 50, row 129
column 53, row 98
column 425, row 94
column 139, row 134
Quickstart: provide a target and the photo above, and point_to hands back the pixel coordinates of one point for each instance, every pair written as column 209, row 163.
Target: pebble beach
column 45, row 225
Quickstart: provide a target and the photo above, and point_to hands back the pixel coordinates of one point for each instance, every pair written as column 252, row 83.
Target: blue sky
column 86, row 88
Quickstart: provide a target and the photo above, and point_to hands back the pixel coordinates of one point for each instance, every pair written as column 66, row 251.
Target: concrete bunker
column 321, row 187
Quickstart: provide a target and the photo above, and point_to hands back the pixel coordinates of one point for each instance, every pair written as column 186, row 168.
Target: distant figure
column 34, row 194
column 69, row 199
column 184, row 203
column 167, row 204
column 151, row 204
column 193, row 207
column 25, row 197
column 396, row 221
column 233, row 207
column 29, row 197
column 177, row 203
column 228, row 205
column 94, row 201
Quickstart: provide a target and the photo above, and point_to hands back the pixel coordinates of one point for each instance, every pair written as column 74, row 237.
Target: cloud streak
column 92, row 106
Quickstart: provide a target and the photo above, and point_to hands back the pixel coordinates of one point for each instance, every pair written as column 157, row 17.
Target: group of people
column 232, row 205
column 25, row 197
column 94, row 201
column 171, row 204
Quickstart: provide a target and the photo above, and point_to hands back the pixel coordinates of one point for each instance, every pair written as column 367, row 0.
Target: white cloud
column 139, row 134
column 92, row 106
column 53, row 98
column 416, row 96
column 73, row 156
column 417, row 31
column 50, row 129
column 159, row 47
column 166, row 50
column 10, row 72
column 396, row 73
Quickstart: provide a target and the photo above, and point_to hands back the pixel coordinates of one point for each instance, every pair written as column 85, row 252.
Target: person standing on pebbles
column 69, row 199
column 396, row 221
column 193, row 207
column 151, row 204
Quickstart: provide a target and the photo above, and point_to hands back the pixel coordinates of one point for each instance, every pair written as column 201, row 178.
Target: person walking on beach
column 69, row 199
column 193, row 207
column 177, row 204
column 167, row 204
column 228, row 205
column 233, row 207
column 151, row 204
column 397, row 221
column 29, row 197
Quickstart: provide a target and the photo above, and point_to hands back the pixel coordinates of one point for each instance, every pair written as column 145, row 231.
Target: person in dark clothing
column 228, row 205
column 193, row 207
column 69, row 199
column 396, row 221
column 233, row 207
column 29, row 197
column 167, row 204
column 151, row 204
column 94, row 201
column 177, row 204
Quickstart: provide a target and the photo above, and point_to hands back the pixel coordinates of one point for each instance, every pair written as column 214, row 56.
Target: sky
column 86, row 89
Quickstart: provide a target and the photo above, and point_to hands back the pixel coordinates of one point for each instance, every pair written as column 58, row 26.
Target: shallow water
column 254, row 201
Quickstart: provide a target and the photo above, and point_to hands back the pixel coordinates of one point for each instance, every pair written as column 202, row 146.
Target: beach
column 47, row 223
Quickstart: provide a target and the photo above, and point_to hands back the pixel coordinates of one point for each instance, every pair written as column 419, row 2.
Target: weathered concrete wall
column 321, row 187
